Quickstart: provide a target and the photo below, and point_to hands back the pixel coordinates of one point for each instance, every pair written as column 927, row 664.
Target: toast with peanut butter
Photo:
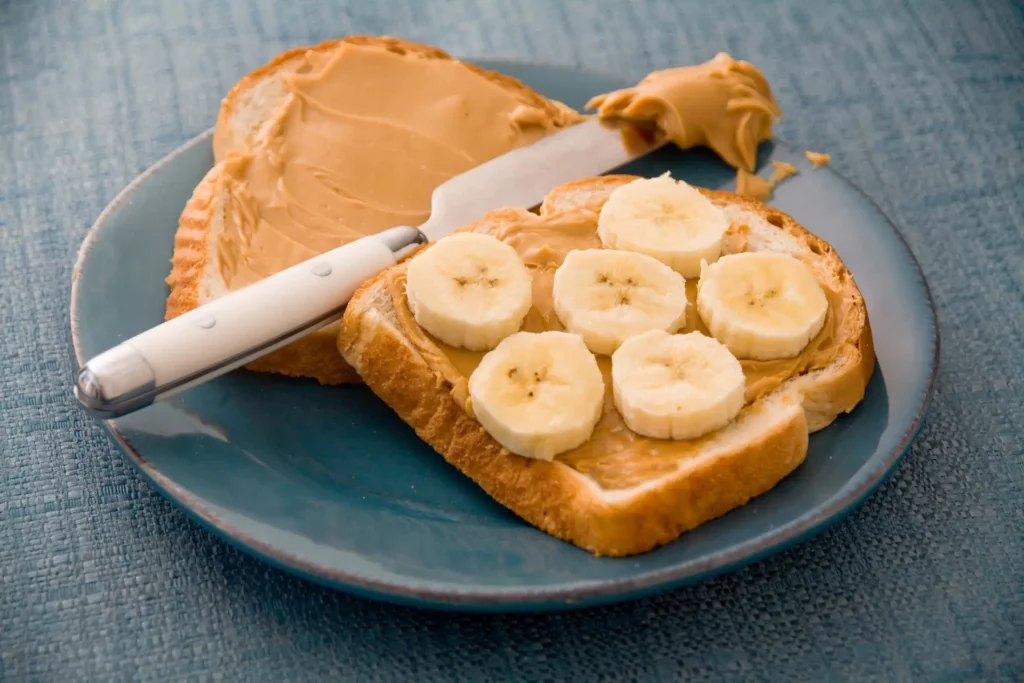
column 635, row 360
column 326, row 144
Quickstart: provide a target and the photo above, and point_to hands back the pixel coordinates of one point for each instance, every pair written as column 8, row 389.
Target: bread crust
column 550, row 495
column 250, row 104
column 564, row 503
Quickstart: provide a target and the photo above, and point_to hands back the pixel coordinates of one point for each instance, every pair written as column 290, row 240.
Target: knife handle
column 237, row 328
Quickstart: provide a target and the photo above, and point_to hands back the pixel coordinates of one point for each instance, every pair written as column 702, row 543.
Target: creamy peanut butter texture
column 362, row 140
column 614, row 457
column 724, row 104
column 757, row 187
column 817, row 158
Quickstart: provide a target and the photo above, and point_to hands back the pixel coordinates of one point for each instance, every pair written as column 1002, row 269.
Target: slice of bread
column 253, row 104
column 724, row 469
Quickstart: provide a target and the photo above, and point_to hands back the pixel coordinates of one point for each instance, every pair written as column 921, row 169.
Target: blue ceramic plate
column 327, row 483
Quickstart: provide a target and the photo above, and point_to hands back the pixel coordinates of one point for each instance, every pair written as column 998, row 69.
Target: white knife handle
column 236, row 328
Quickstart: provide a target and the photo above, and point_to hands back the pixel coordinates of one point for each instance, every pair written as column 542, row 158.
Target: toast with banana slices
column 639, row 358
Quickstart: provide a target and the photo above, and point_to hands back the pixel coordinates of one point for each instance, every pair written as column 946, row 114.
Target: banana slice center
column 772, row 303
column 675, row 220
column 617, row 292
column 532, row 384
column 477, row 280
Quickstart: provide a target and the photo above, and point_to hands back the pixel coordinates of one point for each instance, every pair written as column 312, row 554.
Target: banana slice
column 470, row 290
column 761, row 305
column 538, row 394
column 606, row 296
column 666, row 219
column 676, row 386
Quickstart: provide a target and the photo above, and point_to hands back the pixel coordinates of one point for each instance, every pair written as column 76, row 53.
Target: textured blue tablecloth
column 921, row 104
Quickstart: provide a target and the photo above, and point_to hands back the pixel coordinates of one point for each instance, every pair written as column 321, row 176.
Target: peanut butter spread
column 362, row 140
column 751, row 185
column 782, row 170
column 755, row 186
column 817, row 158
column 724, row 104
column 614, row 457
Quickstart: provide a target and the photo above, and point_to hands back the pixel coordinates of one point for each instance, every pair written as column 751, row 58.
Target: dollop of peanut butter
column 614, row 457
column 751, row 185
column 755, row 186
column 359, row 143
column 724, row 104
column 782, row 170
column 817, row 158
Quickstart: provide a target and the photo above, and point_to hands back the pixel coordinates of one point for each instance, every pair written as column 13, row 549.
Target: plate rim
column 505, row 599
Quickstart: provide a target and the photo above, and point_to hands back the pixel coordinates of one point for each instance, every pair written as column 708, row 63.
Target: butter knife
column 243, row 325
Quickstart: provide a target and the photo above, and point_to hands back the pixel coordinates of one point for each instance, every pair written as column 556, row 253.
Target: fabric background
column 921, row 104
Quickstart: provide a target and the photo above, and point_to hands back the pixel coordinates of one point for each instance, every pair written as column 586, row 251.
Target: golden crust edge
column 550, row 495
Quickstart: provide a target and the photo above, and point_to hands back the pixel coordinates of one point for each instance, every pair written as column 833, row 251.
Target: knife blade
column 248, row 323
column 523, row 176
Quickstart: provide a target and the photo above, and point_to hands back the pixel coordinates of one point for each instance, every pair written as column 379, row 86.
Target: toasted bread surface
column 748, row 457
column 251, row 104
